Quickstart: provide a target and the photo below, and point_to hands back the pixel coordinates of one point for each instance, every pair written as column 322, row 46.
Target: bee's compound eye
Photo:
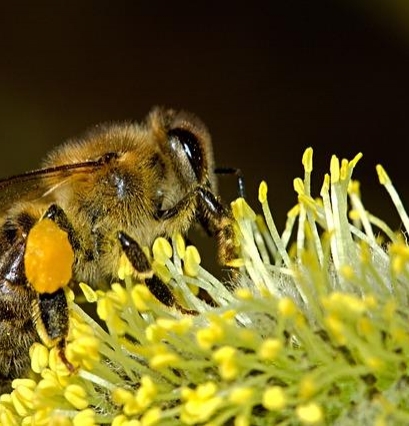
column 191, row 147
column 48, row 257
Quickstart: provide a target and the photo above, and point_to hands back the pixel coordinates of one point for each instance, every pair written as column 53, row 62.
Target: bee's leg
column 57, row 214
column 51, row 315
column 51, row 318
column 140, row 262
column 215, row 218
column 218, row 221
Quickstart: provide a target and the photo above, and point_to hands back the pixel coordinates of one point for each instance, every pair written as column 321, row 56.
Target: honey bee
column 113, row 191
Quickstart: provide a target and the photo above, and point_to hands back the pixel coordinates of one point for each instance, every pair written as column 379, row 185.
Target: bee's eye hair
column 191, row 147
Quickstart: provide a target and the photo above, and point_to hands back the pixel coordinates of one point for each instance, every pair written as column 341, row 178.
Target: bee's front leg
column 218, row 221
column 140, row 262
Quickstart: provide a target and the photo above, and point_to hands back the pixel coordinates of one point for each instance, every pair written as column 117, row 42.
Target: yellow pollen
column 48, row 257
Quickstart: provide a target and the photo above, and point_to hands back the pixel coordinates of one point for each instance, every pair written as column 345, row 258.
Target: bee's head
column 185, row 140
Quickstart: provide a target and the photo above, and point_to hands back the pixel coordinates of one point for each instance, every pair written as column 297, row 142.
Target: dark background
column 269, row 78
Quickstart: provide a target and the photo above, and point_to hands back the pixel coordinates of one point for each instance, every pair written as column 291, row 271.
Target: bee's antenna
column 236, row 172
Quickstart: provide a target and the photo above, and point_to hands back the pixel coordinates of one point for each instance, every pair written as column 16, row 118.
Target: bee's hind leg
column 57, row 214
column 156, row 286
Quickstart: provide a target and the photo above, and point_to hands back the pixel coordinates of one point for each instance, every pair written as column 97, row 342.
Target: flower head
column 312, row 330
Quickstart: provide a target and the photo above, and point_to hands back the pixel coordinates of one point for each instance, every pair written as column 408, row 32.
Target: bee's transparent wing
column 40, row 183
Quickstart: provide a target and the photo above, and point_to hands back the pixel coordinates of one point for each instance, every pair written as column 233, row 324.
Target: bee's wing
column 39, row 183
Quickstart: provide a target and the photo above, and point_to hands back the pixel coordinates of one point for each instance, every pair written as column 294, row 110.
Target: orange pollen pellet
column 48, row 257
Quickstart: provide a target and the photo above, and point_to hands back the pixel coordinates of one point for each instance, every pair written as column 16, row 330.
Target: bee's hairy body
column 121, row 186
column 123, row 195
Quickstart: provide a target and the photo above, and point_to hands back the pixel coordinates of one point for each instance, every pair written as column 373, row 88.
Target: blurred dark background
column 269, row 78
